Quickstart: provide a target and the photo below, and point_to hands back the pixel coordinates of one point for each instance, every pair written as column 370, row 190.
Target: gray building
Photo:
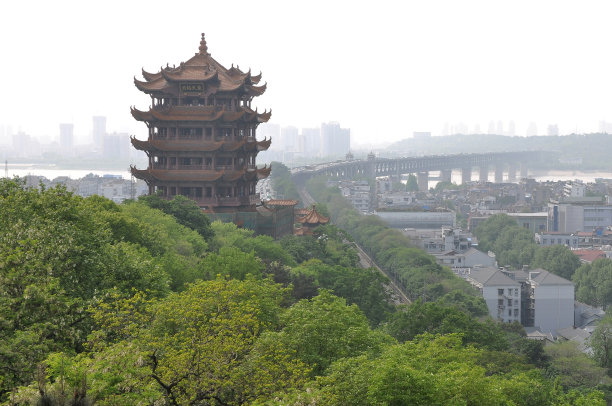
column 66, row 137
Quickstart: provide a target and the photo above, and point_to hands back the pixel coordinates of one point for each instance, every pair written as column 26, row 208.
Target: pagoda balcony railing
column 194, row 167
column 190, row 137
column 221, row 167
column 182, row 167
column 232, row 201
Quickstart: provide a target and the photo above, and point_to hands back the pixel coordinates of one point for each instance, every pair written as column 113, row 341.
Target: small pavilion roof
column 313, row 217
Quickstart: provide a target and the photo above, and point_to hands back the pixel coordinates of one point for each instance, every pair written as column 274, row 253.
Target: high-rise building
column 66, row 137
column 335, row 141
column 311, row 141
column 99, row 130
column 116, row 146
column 202, row 133
column 553, row 129
column 289, row 139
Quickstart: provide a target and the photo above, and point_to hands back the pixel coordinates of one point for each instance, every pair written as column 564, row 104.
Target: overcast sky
column 382, row 68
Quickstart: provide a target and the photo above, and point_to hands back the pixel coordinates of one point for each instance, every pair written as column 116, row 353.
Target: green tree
column 594, row 283
column 325, row 329
column 412, row 184
column 185, row 210
column 601, row 343
column 557, row 259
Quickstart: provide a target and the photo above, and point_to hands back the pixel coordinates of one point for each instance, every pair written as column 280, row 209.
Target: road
column 365, row 261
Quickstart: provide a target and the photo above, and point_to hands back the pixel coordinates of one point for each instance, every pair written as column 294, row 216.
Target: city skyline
column 418, row 66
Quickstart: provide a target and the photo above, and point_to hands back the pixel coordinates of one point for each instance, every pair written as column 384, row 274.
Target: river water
column 51, row 172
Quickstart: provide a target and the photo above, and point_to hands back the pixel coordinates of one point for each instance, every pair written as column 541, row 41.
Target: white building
column 468, row 259
column 547, row 239
column 502, row 294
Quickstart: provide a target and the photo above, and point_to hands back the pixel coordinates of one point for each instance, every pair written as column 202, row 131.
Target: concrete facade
column 501, row 293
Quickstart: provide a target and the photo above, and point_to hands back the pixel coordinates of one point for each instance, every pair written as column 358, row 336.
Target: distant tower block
column 423, row 181
column 512, row 172
column 446, row 175
column 202, row 133
column 466, row 175
column 523, row 170
column 484, row 173
column 499, row 173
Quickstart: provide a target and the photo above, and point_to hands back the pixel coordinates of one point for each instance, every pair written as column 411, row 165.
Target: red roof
column 589, row 255
column 278, row 202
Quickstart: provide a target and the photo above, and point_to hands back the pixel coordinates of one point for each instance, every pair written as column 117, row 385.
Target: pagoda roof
column 313, row 217
column 198, row 146
column 202, row 68
column 200, row 113
column 164, row 175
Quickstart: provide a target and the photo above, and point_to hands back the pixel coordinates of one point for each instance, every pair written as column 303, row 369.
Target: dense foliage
column 515, row 246
column 124, row 305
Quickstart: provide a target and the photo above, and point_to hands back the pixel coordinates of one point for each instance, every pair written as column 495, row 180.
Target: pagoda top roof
column 203, row 68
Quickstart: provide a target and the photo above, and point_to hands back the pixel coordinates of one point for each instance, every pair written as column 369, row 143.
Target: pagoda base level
column 275, row 222
column 222, row 209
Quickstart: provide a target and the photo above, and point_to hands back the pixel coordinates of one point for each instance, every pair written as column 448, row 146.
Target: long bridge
column 502, row 162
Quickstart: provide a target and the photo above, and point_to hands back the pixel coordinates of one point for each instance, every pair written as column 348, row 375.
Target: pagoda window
column 198, row 132
column 173, row 191
column 185, row 191
column 172, row 162
column 208, row 132
column 198, row 192
column 172, row 132
column 208, row 191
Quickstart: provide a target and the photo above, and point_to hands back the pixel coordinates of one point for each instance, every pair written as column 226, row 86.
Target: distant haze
column 383, row 69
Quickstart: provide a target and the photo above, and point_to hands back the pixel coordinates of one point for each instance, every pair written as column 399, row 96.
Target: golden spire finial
column 203, row 48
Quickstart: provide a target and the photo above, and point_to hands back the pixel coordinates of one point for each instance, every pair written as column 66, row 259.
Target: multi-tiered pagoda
column 202, row 128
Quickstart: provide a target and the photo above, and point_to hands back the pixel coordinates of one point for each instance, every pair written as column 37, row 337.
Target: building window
column 510, row 312
column 509, row 302
column 500, row 292
column 500, row 302
column 516, row 312
column 516, row 292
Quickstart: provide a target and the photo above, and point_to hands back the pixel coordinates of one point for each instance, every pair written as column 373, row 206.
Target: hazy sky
column 382, row 68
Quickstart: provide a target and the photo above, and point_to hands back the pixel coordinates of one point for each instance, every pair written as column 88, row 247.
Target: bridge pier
column 484, row 173
column 423, row 181
column 466, row 174
column 499, row 173
column 446, row 175
column 512, row 172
